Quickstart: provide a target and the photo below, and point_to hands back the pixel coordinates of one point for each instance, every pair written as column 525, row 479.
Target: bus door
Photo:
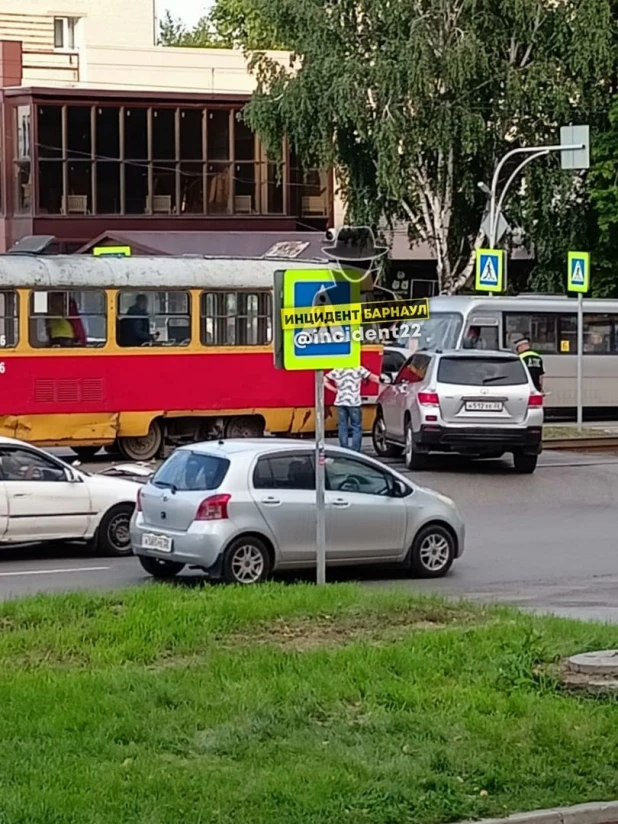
column 482, row 332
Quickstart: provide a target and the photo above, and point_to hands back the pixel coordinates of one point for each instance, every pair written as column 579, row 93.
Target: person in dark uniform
column 533, row 361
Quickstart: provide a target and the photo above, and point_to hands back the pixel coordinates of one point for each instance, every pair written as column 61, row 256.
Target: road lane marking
column 52, row 571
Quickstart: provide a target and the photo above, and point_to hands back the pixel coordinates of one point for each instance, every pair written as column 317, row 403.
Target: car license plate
column 483, row 406
column 160, row 542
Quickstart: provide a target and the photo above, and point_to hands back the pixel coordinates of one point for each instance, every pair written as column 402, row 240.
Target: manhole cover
column 604, row 662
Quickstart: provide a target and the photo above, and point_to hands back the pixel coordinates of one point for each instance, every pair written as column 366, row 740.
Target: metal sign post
column 578, row 280
column 300, row 348
column 580, row 360
column 320, row 478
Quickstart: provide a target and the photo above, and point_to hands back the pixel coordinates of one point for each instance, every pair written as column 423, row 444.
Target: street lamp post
column 534, row 152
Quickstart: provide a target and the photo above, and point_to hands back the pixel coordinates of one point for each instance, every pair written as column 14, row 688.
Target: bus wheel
column 86, row 453
column 142, row 449
column 244, row 428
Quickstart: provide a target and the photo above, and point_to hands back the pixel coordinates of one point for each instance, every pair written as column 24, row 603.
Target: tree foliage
column 229, row 24
column 604, row 201
column 413, row 102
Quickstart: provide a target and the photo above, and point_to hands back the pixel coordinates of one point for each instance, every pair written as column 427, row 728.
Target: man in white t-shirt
column 346, row 384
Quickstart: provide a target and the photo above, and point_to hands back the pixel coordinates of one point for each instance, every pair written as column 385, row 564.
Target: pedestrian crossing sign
column 489, row 270
column 579, row 272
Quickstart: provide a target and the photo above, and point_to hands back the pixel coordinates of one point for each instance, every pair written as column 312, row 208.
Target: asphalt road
column 545, row 542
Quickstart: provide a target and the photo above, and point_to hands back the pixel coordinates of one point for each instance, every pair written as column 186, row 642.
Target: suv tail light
column 535, row 400
column 213, row 508
column 138, row 505
column 428, row 399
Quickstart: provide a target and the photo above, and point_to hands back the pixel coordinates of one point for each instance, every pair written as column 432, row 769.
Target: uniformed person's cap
column 519, row 341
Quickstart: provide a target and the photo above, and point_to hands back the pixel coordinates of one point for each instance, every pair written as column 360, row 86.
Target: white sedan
column 44, row 499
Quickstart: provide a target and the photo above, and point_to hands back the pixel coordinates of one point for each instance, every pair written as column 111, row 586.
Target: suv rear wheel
column 380, row 444
column 412, row 457
column 525, row 463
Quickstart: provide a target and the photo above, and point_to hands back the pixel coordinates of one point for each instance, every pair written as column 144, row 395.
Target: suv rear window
column 187, row 471
column 482, row 371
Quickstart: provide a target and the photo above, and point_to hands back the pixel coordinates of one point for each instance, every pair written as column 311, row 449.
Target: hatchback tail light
column 535, row 400
column 428, row 399
column 213, row 508
column 138, row 505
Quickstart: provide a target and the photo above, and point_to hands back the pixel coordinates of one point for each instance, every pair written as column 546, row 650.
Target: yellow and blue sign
column 578, row 272
column 354, row 313
column 489, row 270
column 112, row 251
column 308, row 348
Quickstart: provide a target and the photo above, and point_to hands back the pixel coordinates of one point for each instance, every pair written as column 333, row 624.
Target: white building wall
column 108, row 22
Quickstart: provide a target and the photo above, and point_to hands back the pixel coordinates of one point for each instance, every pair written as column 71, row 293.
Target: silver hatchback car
column 476, row 402
column 241, row 509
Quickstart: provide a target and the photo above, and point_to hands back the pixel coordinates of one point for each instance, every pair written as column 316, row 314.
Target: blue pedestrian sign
column 489, row 270
column 579, row 272
column 320, row 347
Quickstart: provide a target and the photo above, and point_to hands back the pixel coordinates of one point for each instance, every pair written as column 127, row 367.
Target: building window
column 245, row 169
column 64, row 32
column 9, row 325
column 154, row 319
column 236, row 318
column 68, row 319
column 162, row 161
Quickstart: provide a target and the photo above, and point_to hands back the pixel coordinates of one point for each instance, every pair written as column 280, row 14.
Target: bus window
column 67, row 319
column 9, row 326
column 236, row 319
column 598, row 334
column 481, row 337
column 153, row 319
column 440, row 331
column 540, row 329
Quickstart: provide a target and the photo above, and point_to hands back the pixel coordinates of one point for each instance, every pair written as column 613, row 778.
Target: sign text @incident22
column 354, row 313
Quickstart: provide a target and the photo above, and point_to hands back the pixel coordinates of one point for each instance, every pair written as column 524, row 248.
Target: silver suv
column 473, row 402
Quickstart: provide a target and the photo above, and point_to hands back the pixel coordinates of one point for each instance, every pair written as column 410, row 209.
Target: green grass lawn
column 290, row 704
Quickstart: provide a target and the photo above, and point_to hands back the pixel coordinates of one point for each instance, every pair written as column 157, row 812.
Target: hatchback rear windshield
column 482, row 371
column 187, row 471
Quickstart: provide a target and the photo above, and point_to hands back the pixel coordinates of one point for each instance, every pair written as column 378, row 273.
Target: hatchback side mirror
column 400, row 490
column 384, row 378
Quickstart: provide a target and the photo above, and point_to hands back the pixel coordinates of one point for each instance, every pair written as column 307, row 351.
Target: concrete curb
column 602, row 812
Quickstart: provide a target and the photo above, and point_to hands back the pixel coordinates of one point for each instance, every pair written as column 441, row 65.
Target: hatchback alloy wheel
column 246, row 561
column 433, row 551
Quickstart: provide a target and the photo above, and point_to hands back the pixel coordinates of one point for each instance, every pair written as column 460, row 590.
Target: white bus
column 550, row 323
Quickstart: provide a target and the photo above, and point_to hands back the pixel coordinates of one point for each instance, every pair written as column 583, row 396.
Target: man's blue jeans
column 350, row 417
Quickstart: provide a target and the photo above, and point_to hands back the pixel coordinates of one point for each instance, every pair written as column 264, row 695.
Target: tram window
column 153, row 319
column 236, row 318
column 540, row 329
column 9, row 326
column 67, row 319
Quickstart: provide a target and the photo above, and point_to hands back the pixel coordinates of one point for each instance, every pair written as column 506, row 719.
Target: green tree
column 229, row 24
column 413, row 102
column 603, row 189
column 173, row 32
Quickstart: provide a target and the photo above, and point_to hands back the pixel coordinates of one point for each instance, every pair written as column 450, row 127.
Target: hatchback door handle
column 341, row 503
column 271, row 501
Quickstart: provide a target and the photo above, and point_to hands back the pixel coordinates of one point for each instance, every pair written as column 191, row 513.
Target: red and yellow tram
column 142, row 353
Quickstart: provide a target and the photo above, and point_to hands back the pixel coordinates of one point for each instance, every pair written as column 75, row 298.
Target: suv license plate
column 160, row 542
column 483, row 406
